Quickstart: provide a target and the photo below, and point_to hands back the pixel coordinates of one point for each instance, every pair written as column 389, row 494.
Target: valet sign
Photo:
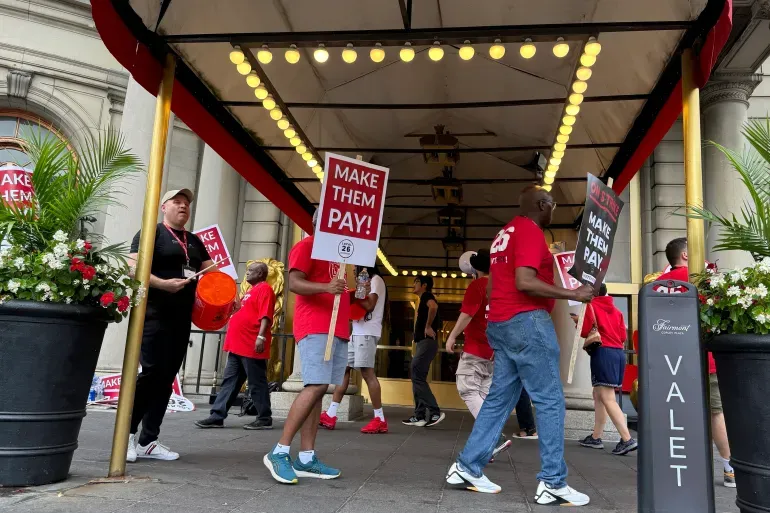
column 350, row 214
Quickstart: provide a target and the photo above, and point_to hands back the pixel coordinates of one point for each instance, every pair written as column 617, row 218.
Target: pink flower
column 107, row 299
column 123, row 304
column 88, row 272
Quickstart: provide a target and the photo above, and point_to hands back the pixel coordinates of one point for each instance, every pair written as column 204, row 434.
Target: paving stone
column 200, row 496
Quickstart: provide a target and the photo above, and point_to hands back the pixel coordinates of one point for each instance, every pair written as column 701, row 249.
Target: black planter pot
column 743, row 369
column 48, row 354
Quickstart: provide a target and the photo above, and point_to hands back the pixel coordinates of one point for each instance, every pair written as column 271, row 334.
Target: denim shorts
column 608, row 364
column 316, row 371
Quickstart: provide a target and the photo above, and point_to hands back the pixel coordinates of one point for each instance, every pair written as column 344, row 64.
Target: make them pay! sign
column 16, row 185
column 564, row 262
column 350, row 214
column 212, row 239
column 597, row 233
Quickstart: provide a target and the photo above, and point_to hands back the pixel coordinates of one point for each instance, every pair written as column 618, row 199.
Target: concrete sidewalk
column 221, row 471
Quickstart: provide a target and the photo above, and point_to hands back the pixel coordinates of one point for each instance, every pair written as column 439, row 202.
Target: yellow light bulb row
column 571, row 110
column 527, row 50
column 433, row 273
column 384, row 261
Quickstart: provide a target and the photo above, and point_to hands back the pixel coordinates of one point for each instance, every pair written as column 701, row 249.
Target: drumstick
column 206, row 269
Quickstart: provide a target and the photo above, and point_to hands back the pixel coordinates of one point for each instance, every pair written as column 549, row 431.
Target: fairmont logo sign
column 665, row 326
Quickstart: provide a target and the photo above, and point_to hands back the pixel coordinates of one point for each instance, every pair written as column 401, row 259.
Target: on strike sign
column 211, row 237
column 350, row 214
column 16, row 185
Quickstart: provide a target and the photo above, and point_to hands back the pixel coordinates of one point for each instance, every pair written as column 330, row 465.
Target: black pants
column 425, row 403
column 164, row 345
column 524, row 412
column 238, row 369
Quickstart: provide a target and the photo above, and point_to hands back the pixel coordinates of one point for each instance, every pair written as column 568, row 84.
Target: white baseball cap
column 187, row 193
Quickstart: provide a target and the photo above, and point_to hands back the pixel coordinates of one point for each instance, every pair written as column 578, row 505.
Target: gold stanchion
column 693, row 179
column 143, row 265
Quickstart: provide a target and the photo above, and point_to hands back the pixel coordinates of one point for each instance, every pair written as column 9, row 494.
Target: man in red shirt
column 315, row 283
column 676, row 254
column 248, row 344
column 521, row 333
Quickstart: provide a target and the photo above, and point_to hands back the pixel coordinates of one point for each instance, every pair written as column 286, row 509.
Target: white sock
column 332, row 411
column 378, row 413
column 281, row 449
column 306, row 456
column 726, row 464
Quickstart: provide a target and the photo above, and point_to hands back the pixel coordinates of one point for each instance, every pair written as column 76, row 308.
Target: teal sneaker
column 315, row 469
column 280, row 467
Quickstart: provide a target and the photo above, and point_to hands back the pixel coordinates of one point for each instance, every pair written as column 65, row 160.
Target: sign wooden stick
column 576, row 340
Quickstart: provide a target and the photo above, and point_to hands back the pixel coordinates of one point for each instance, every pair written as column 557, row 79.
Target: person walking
column 362, row 350
column 608, row 364
column 676, row 254
column 520, row 331
column 177, row 256
column 247, row 342
column 426, row 327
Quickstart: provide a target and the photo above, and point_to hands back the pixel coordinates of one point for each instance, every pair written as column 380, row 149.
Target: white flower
column 733, row 291
column 60, row 250
column 13, row 286
column 86, row 286
column 60, row 236
column 19, row 263
column 43, row 286
column 735, row 277
column 764, row 265
column 4, row 252
column 129, row 291
column 52, row 261
column 80, row 244
column 123, row 279
column 710, row 301
column 762, row 318
column 76, row 282
column 761, row 290
column 140, row 292
column 745, row 301
column 85, row 282
column 102, row 268
column 717, row 280
column 68, row 300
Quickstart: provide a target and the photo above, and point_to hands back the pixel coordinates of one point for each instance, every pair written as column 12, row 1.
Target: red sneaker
column 327, row 421
column 375, row 426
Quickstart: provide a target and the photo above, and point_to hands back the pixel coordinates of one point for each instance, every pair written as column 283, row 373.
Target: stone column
column 215, row 203
column 122, row 222
column 725, row 103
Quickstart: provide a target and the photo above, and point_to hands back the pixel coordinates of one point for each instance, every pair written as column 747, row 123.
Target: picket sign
column 576, row 339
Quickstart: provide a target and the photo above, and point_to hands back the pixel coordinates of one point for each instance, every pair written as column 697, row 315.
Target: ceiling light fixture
column 252, row 79
column 321, row 54
column 555, row 161
column 572, row 110
column 312, row 162
column 283, row 123
column 563, row 139
column 407, row 52
column 528, row 49
column 548, row 180
column 244, row 68
column 268, row 103
column 307, row 156
column 292, row 54
column 557, row 154
column 593, row 47
column 289, row 132
column 579, row 86
column 436, row 53
column 301, row 149
column 568, row 120
column 276, row 114
column 565, row 130
column 550, row 173
column 377, row 54
column 559, row 146
column 497, row 50
column 552, row 168
column 560, row 49
column 587, row 60
column 349, row 54
column 295, row 141
column 260, row 92
column 265, row 56
column 584, row 73
column 547, row 188
column 466, row 51
column 575, row 99
column 236, row 55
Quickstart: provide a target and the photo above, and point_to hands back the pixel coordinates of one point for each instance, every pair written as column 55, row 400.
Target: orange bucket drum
column 214, row 301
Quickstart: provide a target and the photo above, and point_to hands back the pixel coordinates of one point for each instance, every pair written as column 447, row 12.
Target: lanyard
column 183, row 244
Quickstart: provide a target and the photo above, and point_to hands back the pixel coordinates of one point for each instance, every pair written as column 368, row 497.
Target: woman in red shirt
column 608, row 362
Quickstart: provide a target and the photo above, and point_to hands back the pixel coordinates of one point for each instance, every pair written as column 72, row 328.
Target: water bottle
column 363, row 277
column 92, row 393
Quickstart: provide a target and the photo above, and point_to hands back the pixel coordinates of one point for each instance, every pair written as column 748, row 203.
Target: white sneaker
column 566, row 496
column 131, row 452
column 461, row 479
column 156, row 450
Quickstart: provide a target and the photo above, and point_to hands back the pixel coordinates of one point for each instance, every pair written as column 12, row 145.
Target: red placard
column 564, row 262
column 211, row 237
column 16, row 185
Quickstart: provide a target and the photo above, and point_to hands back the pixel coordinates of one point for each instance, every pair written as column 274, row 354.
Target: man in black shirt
column 426, row 326
column 178, row 255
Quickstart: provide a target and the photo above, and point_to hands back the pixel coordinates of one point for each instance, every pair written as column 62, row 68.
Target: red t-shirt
column 475, row 305
column 609, row 321
column 257, row 304
column 520, row 244
column 681, row 274
column 313, row 314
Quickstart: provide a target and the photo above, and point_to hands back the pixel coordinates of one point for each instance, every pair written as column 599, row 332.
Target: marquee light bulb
column 575, row 99
column 565, row 130
column 559, row 146
column 252, row 79
column 560, row 49
column 307, row 156
column 301, row 149
column 572, row 110
column 584, row 73
column 295, row 141
column 568, row 120
column 550, row 173
column 312, row 163
column 433, row 273
column 407, row 52
column 349, row 54
column 377, row 54
column 497, row 50
column 454, row 275
column 528, row 49
column 276, row 114
column 557, row 154
column 555, row 161
column 292, row 55
column 405, row 273
column 548, row 180
column 436, row 53
column 414, row 273
column 265, row 56
column 244, row 68
column 466, row 51
column 289, row 132
column 236, row 55
column 424, row 273
column 283, row 124
column 444, row 275
column 552, row 169
column 260, row 92
column 546, row 188
column 268, row 103
column 562, row 139
column 321, row 54
column 587, row 60
column 317, row 169
column 579, row 86
column 593, row 47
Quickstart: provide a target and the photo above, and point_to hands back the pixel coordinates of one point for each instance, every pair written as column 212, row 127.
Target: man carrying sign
column 316, row 284
column 520, row 331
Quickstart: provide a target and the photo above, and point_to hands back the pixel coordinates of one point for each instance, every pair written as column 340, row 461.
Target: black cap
column 480, row 261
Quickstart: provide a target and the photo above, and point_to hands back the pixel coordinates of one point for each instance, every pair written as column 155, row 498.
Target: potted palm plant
column 58, row 291
column 735, row 316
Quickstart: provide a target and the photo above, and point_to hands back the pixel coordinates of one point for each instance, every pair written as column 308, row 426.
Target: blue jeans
column 526, row 353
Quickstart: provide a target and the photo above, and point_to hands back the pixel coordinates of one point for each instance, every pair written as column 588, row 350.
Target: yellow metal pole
column 143, row 264
column 693, row 178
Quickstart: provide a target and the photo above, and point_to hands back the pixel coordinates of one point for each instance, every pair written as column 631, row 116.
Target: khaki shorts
column 715, row 398
column 474, row 375
column 362, row 350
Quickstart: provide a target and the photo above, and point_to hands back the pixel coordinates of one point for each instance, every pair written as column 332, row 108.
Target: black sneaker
column 624, row 448
column 259, row 424
column 210, row 422
column 414, row 421
column 435, row 419
column 592, row 443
